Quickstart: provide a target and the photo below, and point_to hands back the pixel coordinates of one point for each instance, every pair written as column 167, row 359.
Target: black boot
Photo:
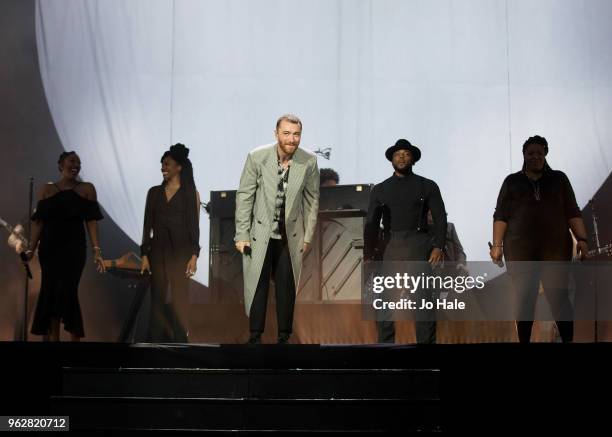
column 283, row 338
column 255, row 338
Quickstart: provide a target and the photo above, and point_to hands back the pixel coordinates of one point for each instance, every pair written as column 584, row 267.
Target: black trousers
column 526, row 278
column 278, row 264
column 410, row 246
column 532, row 262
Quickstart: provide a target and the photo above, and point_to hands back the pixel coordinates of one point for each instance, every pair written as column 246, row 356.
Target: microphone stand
column 24, row 327
column 596, row 237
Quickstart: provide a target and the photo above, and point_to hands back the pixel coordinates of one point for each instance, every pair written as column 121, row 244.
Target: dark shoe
column 254, row 339
column 283, row 338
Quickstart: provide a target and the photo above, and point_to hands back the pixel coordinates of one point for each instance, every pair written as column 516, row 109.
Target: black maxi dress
column 62, row 253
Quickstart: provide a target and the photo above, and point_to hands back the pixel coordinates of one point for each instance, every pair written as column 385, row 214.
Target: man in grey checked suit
column 276, row 213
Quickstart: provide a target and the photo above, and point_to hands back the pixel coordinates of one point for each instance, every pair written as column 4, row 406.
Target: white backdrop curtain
column 468, row 81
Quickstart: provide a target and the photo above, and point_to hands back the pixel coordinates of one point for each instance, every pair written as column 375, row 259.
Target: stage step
column 322, row 400
column 223, row 414
column 253, row 383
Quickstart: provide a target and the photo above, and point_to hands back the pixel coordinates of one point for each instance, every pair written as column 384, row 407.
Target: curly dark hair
column 328, row 174
column 180, row 154
column 536, row 139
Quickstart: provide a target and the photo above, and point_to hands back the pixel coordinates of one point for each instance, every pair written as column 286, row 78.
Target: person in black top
column 328, row 177
column 402, row 202
column 59, row 234
column 536, row 208
column 170, row 245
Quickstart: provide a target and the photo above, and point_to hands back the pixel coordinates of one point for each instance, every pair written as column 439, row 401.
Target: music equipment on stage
column 603, row 250
column 345, row 198
column 18, row 242
column 599, row 249
column 331, row 269
column 127, row 262
column 127, row 267
column 225, row 262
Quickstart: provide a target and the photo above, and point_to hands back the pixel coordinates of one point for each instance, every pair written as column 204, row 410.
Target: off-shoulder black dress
column 62, row 252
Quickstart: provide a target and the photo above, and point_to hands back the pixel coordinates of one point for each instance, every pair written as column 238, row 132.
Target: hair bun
column 180, row 149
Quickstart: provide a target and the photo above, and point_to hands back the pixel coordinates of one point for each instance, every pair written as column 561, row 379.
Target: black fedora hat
column 402, row 144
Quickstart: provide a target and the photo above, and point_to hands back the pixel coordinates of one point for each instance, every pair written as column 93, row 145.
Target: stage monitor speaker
column 225, row 262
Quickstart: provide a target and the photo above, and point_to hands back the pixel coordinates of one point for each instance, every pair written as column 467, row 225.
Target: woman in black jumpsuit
column 535, row 211
column 170, row 245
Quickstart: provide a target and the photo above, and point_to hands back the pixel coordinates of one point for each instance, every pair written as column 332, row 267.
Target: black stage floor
column 180, row 389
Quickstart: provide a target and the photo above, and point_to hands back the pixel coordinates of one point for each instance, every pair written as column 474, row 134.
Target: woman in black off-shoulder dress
column 64, row 209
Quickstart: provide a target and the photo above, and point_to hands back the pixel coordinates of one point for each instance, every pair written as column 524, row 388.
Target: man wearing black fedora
column 402, row 202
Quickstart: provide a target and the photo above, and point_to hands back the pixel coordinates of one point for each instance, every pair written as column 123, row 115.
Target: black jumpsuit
column 170, row 238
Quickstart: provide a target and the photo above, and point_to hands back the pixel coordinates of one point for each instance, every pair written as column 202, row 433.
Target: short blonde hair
column 291, row 118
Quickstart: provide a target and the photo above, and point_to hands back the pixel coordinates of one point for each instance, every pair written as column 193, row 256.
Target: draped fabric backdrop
column 468, row 81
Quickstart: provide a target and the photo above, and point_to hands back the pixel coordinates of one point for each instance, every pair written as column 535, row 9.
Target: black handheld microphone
column 499, row 263
column 247, row 250
column 24, row 258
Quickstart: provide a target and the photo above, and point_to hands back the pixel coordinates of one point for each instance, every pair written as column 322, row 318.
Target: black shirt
column 402, row 204
column 537, row 214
